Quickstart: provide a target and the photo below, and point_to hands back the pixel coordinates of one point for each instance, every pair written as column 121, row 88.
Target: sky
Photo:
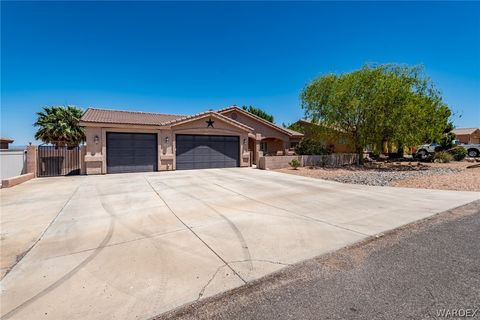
column 189, row 57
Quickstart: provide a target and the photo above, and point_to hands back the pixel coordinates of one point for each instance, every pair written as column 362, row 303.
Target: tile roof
column 127, row 117
column 268, row 123
column 213, row 113
column 293, row 132
column 8, row 140
column 147, row 118
column 96, row 115
column 465, row 130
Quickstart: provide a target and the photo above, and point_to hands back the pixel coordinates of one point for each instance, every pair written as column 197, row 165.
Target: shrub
column 442, row 157
column 458, row 153
column 311, row 147
column 294, row 164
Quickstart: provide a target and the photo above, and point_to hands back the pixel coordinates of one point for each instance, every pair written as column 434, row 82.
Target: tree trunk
column 360, row 155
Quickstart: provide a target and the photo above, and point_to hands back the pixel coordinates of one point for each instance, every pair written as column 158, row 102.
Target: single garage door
column 131, row 152
column 202, row 152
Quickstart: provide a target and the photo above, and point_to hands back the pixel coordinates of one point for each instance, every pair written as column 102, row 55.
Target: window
column 293, row 145
column 263, row 146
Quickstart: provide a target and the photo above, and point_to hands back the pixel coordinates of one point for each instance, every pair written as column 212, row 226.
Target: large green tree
column 377, row 105
column 258, row 112
column 59, row 125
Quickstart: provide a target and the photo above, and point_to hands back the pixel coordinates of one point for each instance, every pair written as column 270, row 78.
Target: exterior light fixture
column 166, row 139
column 96, row 139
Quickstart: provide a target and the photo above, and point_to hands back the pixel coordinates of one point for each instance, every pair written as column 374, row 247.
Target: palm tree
column 59, row 125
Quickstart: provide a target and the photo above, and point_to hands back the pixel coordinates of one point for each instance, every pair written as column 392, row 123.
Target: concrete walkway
column 131, row 246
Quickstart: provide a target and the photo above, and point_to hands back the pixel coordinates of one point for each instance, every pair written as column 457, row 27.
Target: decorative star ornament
column 210, row 123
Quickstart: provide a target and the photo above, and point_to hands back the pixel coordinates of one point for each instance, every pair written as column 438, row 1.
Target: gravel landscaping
column 385, row 178
column 446, row 176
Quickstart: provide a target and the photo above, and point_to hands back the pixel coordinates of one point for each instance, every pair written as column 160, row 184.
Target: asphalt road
column 416, row 272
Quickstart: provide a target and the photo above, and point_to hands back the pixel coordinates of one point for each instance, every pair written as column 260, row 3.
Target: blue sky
column 190, row 57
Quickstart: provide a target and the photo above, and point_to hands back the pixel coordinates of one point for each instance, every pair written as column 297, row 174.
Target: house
column 467, row 135
column 4, row 142
column 333, row 139
column 128, row 141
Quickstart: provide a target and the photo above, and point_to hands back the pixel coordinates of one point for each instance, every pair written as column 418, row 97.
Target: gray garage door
column 202, row 152
column 131, row 152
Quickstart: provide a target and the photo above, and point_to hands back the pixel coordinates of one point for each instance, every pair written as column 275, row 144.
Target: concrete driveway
column 131, row 246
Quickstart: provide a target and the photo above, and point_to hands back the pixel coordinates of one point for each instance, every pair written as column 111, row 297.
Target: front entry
column 131, row 152
column 202, row 152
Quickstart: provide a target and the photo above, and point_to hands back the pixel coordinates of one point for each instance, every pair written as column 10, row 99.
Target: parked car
column 423, row 151
column 473, row 150
column 426, row 149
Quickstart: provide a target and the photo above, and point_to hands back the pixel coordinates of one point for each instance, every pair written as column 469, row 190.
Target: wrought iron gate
column 58, row 161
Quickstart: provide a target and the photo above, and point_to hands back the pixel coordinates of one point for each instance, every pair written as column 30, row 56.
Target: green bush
column 294, row 164
column 458, row 153
column 311, row 147
column 442, row 157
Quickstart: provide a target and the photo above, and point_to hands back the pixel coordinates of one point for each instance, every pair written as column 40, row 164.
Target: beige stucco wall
column 220, row 127
column 331, row 160
column 258, row 127
column 469, row 138
column 96, row 153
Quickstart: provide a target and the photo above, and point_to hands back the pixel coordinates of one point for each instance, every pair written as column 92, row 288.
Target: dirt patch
column 466, row 180
column 443, row 176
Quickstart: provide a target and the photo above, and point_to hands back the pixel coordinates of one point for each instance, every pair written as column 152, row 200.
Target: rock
column 386, row 177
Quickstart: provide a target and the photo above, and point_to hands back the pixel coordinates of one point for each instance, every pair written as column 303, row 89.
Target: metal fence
column 58, row 161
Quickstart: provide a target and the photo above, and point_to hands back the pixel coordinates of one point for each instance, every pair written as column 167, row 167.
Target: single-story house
column 467, row 135
column 129, row 141
column 333, row 139
column 4, row 142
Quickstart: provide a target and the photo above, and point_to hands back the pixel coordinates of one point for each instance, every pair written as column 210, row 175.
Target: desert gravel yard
column 131, row 246
column 443, row 176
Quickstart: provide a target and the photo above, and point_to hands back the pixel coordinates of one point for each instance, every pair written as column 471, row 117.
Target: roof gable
column 206, row 114
column 461, row 131
column 261, row 120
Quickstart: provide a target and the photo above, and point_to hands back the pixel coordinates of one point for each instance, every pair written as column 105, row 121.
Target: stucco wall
column 333, row 160
column 469, row 138
column 220, row 127
column 96, row 152
column 12, row 163
column 263, row 129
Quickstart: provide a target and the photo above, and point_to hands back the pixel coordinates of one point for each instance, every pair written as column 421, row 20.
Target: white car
column 426, row 149
column 473, row 150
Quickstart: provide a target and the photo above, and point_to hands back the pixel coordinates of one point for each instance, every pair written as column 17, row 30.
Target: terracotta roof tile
column 293, row 132
column 199, row 115
column 461, row 131
column 127, row 117
column 270, row 124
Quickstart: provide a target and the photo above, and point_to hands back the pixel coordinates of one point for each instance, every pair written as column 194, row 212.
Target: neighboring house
column 127, row 141
column 4, row 142
column 334, row 140
column 12, row 162
column 467, row 135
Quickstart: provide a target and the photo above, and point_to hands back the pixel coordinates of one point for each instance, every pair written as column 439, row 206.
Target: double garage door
column 137, row 152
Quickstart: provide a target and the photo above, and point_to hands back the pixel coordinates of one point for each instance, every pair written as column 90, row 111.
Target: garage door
column 131, row 152
column 202, row 152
